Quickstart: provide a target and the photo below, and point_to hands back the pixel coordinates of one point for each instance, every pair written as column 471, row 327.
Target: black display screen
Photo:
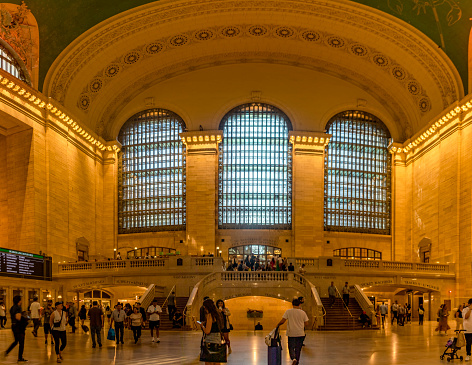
column 24, row 265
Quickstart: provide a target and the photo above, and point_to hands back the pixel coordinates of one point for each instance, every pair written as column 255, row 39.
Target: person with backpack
column 421, row 314
column 46, row 314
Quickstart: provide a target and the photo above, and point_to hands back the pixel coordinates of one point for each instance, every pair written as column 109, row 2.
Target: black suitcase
column 85, row 328
column 274, row 352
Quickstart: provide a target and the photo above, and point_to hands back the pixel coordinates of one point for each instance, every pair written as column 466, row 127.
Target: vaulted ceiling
column 403, row 60
column 445, row 22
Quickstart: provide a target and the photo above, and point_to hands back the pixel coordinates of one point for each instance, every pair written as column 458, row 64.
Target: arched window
column 10, row 64
column 151, row 184
column 255, row 169
column 357, row 174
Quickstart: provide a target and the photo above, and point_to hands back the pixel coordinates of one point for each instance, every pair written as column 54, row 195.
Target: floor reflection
column 411, row 344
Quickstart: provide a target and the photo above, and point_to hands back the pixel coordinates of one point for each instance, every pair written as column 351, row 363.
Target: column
column 308, row 192
column 201, row 190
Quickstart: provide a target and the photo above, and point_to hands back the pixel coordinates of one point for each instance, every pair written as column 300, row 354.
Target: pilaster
column 202, row 189
column 307, row 195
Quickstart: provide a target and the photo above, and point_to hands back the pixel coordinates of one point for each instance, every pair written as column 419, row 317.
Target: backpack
column 420, row 311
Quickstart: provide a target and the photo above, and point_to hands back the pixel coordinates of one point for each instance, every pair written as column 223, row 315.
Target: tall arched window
column 357, row 174
column 255, row 169
column 10, row 64
column 151, row 182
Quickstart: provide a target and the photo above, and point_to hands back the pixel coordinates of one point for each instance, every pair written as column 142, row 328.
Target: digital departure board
column 24, row 265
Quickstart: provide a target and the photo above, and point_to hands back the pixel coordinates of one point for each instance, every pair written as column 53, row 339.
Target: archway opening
column 246, row 312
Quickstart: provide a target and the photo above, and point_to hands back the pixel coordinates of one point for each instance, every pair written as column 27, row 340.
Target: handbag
column 213, row 352
column 230, row 325
column 111, row 334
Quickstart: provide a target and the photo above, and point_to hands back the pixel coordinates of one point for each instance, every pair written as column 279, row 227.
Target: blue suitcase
column 274, row 352
column 275, row 355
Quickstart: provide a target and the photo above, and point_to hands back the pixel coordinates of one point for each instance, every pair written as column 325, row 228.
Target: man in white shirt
column 346, row 294
column 154, row 320
column 296, row 318
column 35, row 307
column 467, row 323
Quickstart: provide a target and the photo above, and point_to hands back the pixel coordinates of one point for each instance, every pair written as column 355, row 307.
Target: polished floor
column 410, row 345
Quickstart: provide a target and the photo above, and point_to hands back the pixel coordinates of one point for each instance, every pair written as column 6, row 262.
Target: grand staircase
column 166, row 324
column 338, row 318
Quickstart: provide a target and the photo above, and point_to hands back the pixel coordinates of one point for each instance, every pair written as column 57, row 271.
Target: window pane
column 151, row 184
column 357, row 174
column 11, row 65
column 255, row 169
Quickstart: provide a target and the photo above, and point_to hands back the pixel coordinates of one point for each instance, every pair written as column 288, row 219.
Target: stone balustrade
column 175, row 263
column 322, row 264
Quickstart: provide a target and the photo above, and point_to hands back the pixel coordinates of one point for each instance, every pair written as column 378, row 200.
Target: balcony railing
column 168, row 263
column 336, row 263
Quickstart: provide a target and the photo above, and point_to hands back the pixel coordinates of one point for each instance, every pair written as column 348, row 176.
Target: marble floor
column 410, row 345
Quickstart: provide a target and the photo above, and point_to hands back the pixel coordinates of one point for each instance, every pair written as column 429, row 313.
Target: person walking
column 458, row 317
column 35, row 308
column 118, row 316
column 212, row 326
column 58, row 321
column 82, row 315
column 332, row 294
column 395, row 311
column 383, row 313
column 225, row 313
column 3, row 315
column 108, row 313
column 137, row 322
column 443, row 314
column 46, row 314
column 154, row 320
column 72, row 311
column 346, row 294
column 142, row 311
column 296, row 318
column 171, row 305
column 421, row 314
column 18, row 327
column 467, row 323
column 97, row 322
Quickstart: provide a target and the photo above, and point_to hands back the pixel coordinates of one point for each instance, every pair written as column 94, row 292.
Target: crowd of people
column 214, row 321
column 254, row 263
column 56, row 318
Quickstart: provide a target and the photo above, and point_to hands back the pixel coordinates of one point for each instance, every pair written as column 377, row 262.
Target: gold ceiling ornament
column 16, row 31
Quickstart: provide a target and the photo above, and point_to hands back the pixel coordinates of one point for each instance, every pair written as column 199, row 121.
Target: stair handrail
column 363, row 301
column 168, row 295
column 319, row 305
column 148, row 296
column 344, row 304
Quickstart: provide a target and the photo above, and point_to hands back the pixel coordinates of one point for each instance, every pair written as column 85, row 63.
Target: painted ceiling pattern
column 343, row 44
column 445, row 22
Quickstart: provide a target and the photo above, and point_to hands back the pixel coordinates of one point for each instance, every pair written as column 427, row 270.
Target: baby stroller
column 453, row 345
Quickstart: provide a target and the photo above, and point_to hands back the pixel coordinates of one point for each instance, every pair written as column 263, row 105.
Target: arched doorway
column 247, row 311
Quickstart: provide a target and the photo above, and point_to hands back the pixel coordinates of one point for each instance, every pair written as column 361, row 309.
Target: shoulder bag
column 213, row 352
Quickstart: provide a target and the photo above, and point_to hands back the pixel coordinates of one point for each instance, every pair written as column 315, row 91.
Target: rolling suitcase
column 274, row 352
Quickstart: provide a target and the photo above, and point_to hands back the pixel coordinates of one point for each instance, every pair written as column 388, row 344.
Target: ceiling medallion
column 178, row 40
column 131, row 58
column 257, row 30
column 230, row 31
column 154, row 48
